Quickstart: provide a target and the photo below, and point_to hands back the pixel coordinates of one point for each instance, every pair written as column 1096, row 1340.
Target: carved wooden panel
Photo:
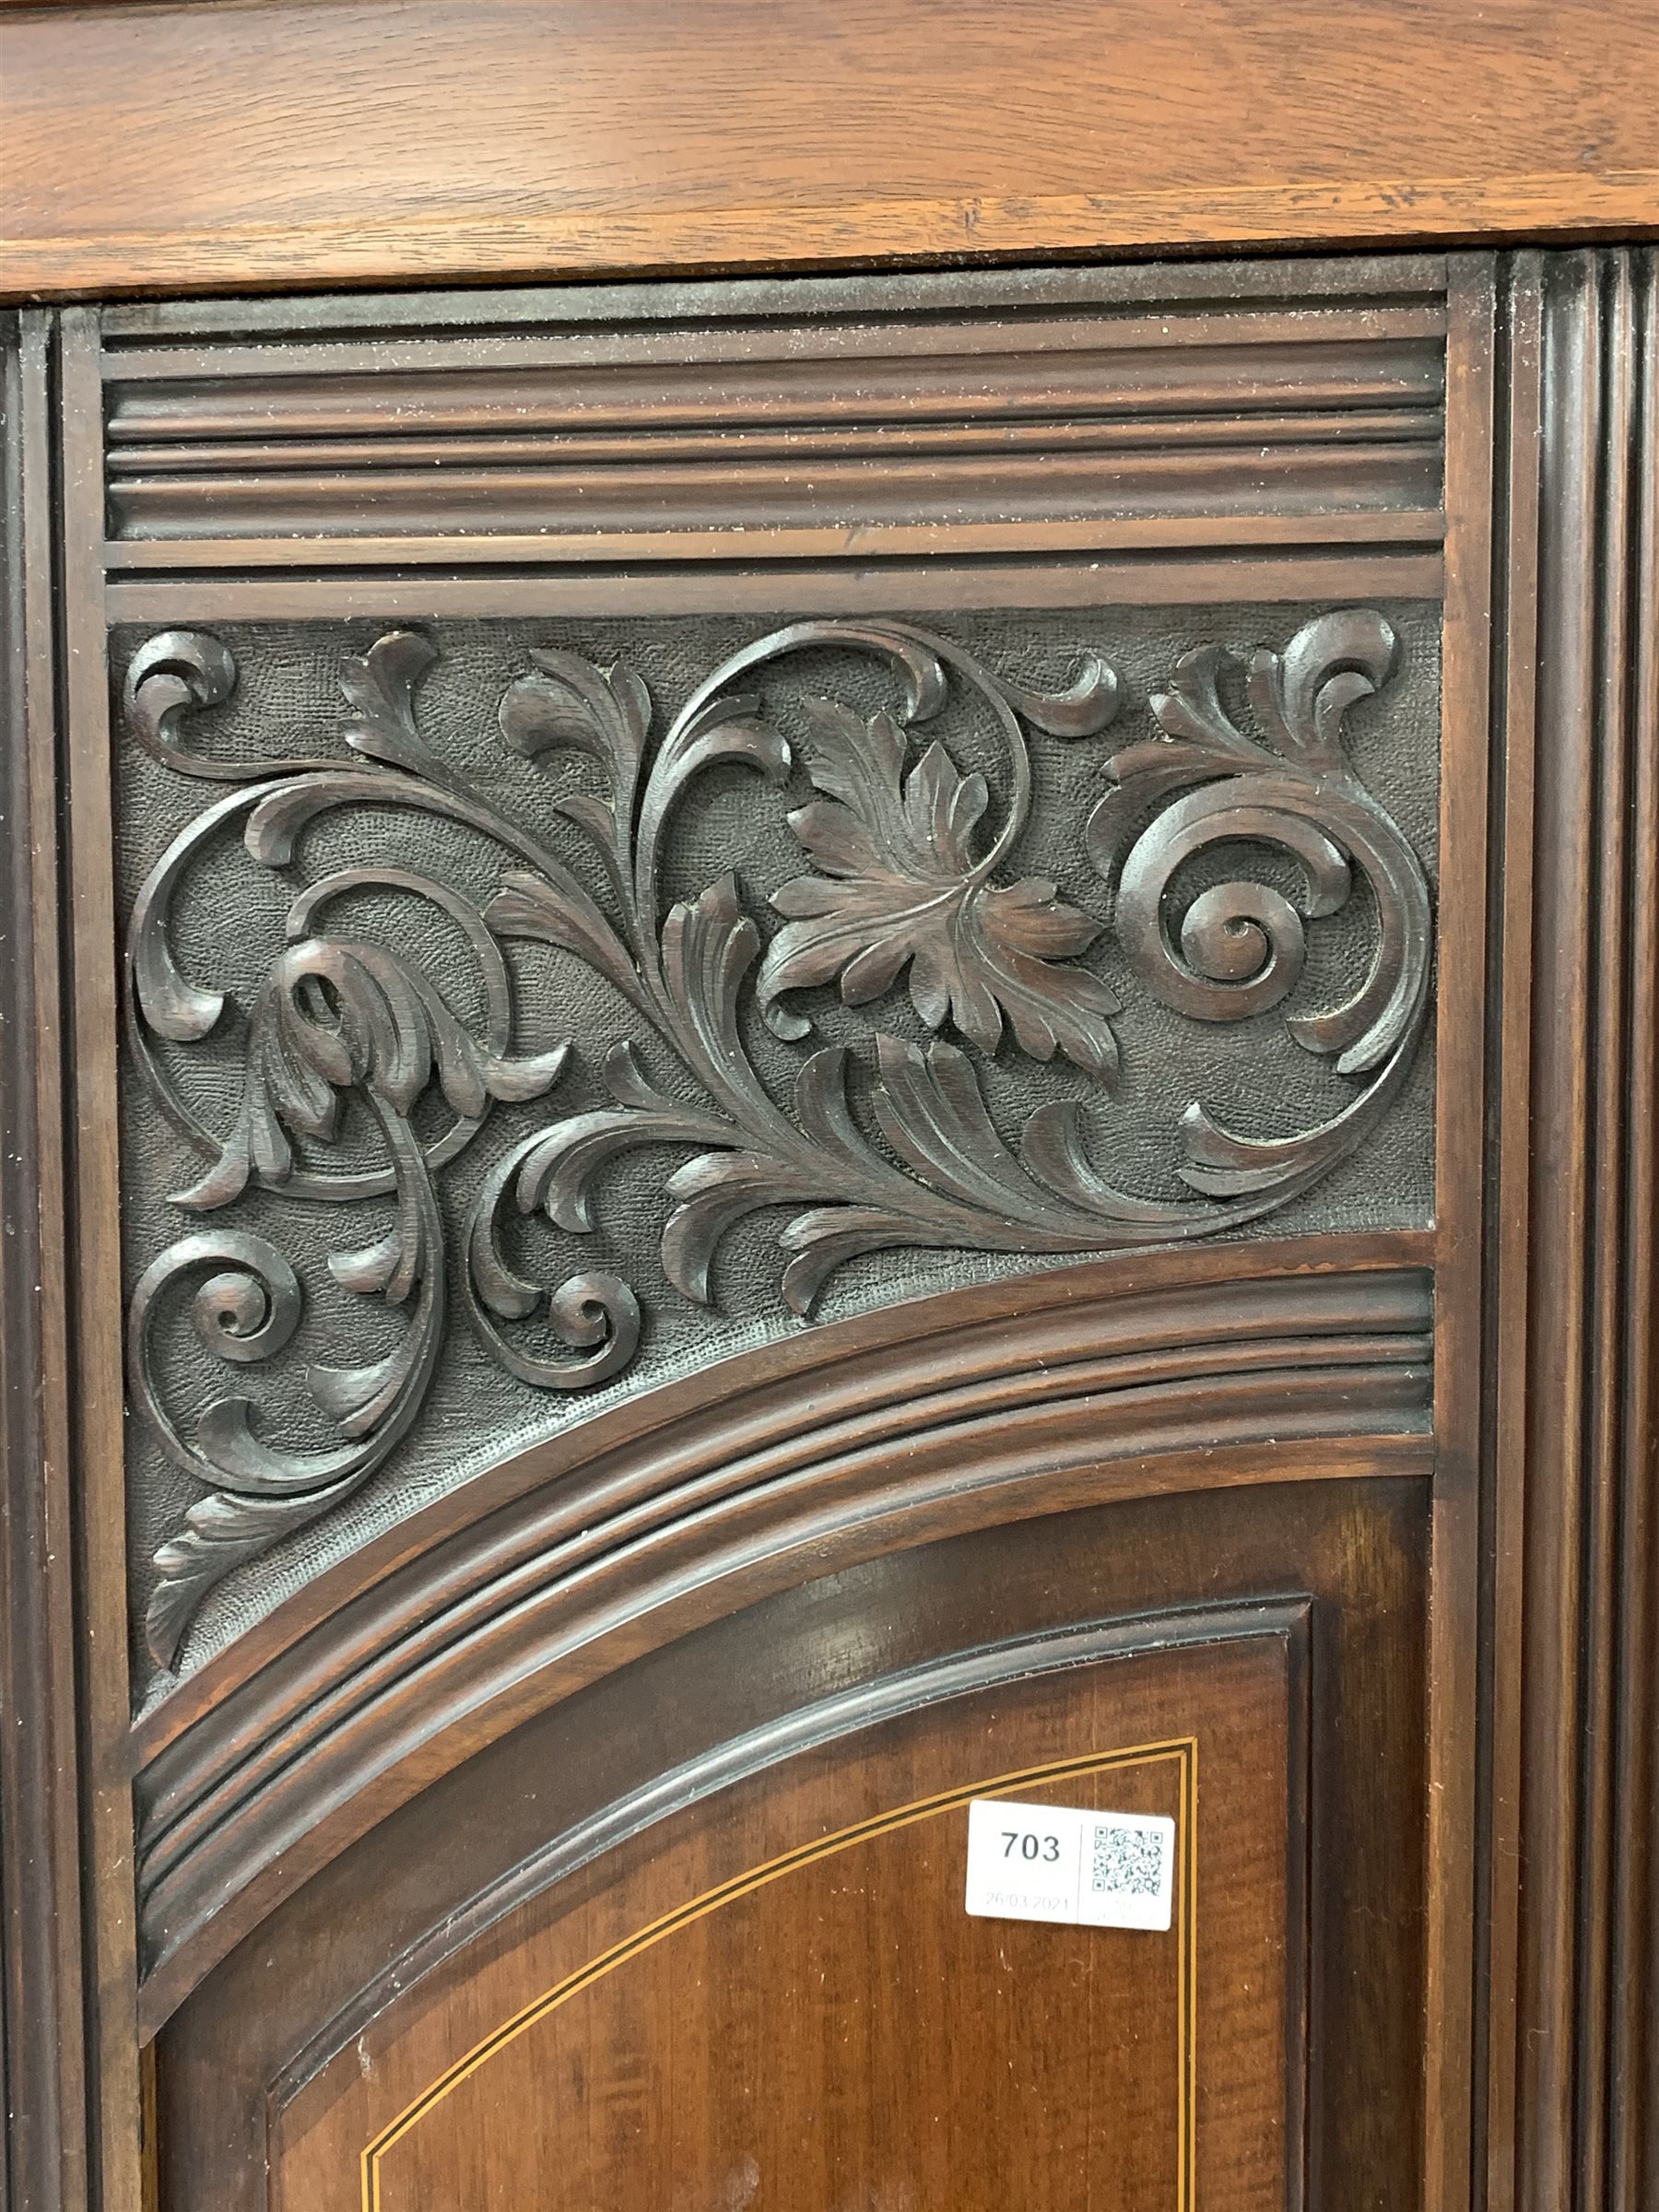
column 745, row 1004
column 762, row 928
column 533, row 919
column 974, row 1410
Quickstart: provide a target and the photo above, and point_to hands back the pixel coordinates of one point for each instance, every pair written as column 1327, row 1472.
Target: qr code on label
column 1127, row 1861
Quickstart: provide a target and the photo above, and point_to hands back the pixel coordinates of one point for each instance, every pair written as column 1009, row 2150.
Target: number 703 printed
column 1070, row 1865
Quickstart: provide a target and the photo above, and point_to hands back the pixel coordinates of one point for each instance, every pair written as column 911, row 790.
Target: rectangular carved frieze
column 649, row 815
column 523, row 1013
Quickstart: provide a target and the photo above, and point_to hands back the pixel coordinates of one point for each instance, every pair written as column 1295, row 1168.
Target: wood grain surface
column 778, row 1996
column 818, row 1709
column 1573, row 2116
column 268, row 1764
column 273, row 143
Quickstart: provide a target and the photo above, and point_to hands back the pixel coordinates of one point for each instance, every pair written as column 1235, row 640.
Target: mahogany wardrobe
column 829, row 907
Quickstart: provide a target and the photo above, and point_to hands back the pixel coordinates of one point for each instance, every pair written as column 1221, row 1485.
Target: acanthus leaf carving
column 906, row 882
column 903, row 886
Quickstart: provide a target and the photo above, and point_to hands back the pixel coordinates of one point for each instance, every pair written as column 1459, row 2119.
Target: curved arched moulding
column 1162, row 1375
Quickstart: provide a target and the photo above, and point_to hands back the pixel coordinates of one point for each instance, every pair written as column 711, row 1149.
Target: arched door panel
column 745, row 1974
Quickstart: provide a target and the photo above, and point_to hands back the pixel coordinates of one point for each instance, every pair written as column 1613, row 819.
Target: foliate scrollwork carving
column 908, row 888
column 1241, row 945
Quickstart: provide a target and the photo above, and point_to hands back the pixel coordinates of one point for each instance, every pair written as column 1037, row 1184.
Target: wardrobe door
column 829, row 1106
column 789, row 1148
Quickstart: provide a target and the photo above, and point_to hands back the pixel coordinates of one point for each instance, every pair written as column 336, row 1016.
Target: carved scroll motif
column 910, row 889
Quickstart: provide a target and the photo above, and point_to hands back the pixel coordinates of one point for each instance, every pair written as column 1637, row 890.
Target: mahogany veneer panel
column 782, row 1993
column 1284, row 1630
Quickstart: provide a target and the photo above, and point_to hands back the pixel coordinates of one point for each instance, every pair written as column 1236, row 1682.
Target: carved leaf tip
column 1089, row 705
column 380, row 685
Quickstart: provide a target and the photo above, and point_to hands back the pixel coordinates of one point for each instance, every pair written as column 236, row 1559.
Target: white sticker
column 1062, row 1862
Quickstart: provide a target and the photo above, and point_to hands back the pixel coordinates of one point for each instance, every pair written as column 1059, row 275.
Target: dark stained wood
column 799, row 421
column 1365, row 571
column 42, row 2030
column 94, row 1392
column 1154, row 1380
column 281, row 143
column 1050, row 437
column 1629, row 1777
column 1460, row 1209
column 366, row 1822
column 1516, row 492
column 326, row 1731
column 322, row 1716
column 1573, row 2117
